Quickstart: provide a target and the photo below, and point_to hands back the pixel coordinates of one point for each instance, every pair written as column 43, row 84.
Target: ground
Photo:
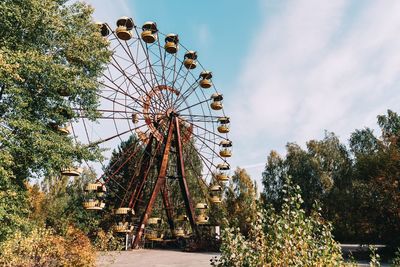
column 170, row 258
column 154, row 258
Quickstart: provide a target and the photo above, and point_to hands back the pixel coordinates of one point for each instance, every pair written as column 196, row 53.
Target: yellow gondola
column 215, row 199
column 226, row 150
column 202, row 219
column 190, row 60
column 171, row 43
column 179, row 232
column 104, row 31
column 67, row 129
column 124, row 27
column 149, row 33
column 94, row 195
column 123, row 227
column 223, row 125
column 182, row 218
column 216, row 103
column 222, row 172
column 124, row 211
column 205, row 81
column 154, row 220
column 71, row 171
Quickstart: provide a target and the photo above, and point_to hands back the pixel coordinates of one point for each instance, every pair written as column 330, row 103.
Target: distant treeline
column 357, row 185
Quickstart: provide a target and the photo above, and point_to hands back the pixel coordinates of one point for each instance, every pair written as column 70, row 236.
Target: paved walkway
column 163, row 258
column 155, row 258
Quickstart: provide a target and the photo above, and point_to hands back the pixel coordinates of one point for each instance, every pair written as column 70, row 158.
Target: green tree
column 357, row 187
column 241, row 201
column 124, row 175
column 376, row 183
column 51, row 55
column 288, row 237
column 319, row 170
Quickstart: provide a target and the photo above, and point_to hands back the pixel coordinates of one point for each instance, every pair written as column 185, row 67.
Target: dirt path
column 154, row 258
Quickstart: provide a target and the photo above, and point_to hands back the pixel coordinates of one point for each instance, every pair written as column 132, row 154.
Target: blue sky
column 288, row 69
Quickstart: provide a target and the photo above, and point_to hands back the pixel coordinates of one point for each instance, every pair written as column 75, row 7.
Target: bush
column 41, row 247
column 287, row 238
column 107, row 241
column 396, row 260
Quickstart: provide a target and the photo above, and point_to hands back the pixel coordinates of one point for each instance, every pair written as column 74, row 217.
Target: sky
column 289, row 70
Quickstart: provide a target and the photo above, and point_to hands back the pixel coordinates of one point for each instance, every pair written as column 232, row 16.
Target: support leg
column 182, row 179
column 168, row 208
column 159, row 183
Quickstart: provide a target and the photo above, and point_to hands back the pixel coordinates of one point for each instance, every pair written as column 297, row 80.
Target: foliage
column 374, row 257
column 240, row 201
column 396, row 259
column 285, row 238
column 47, row 49
column 357, row 187
column 320, row 169
column 120, row 195
column 58, row 204
column 106, row 241
column 41, row 247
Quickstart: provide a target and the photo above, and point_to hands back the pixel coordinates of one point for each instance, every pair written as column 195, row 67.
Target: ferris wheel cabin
column 124, row 28
column 190, row 60
column 205, row 81
column 104, row 31
column 216, row 103
column 171, row 43
column 224, row 125
column 222, row 172
column 149, row 33
column 226, row 150
column 94, row 196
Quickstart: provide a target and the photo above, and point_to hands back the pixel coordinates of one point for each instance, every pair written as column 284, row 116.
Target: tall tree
column 241, row 201
column 318, row 170
column 51, row 55
column 358, row 187
column 117, row 187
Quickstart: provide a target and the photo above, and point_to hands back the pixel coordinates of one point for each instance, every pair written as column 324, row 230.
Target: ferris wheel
column 155, row 89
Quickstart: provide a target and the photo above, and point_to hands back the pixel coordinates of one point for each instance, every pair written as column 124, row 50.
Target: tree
column 51, row 55
column 273, row 175
column 376, row 183
column 289, row 237
column 118, row 186
column 363, row 142
column 324, row 166
column 241, row 201
column 357, row 187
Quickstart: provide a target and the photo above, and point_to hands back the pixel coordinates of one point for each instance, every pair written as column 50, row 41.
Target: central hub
column 170, row 112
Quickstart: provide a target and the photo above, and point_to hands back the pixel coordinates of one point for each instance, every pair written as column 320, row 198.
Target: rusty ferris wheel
column 156, row 89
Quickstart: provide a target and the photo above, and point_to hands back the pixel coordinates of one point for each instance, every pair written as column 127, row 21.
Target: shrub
column 41, row 247
column 107, row 241
column 287, row 238
column 396, row 260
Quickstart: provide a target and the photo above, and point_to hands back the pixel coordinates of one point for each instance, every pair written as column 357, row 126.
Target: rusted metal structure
column 159, row 92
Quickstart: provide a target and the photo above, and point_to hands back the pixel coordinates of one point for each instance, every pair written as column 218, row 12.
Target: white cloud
column 317, row 65
column 110, row 11
column 203, row 34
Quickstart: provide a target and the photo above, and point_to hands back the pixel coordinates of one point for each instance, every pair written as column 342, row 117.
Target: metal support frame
column 182, row 179
column 160, row 185
column 143, row 174
column 168, row 207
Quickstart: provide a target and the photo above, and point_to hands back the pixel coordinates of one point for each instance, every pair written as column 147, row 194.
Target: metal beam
column 168, row 208
column 182, row 179
column 143, row 173
column 159, row 183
